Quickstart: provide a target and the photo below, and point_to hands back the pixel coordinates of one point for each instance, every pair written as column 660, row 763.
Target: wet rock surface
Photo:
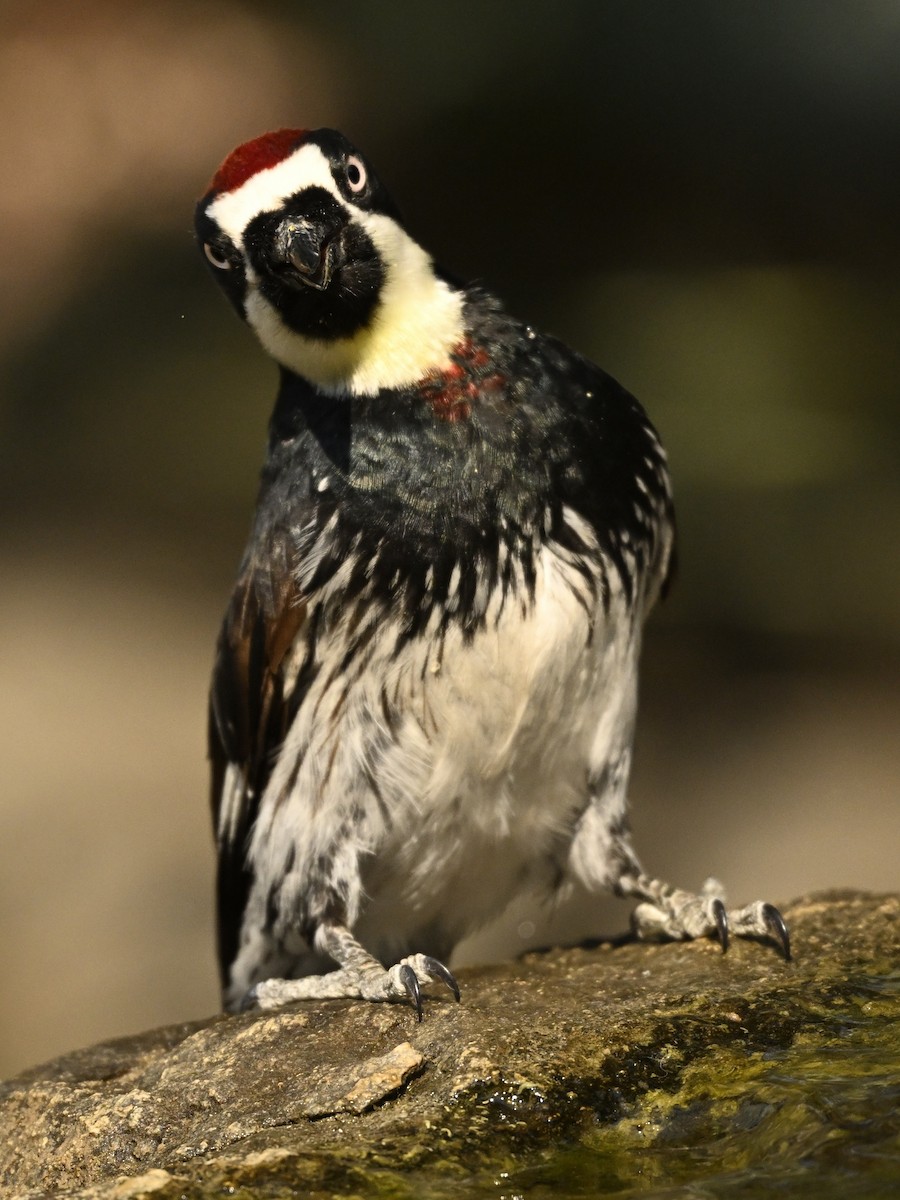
column 619, row 1070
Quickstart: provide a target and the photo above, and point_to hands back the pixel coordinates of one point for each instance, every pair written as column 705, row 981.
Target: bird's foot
column 667, row 912
column 365, row 980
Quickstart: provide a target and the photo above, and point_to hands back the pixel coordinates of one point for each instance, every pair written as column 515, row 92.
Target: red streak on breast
column 260, row 154
column 452, row 391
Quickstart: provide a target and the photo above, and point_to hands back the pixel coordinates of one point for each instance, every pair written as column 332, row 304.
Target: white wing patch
column 231, row 804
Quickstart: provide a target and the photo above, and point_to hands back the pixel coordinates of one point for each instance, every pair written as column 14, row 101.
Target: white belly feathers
column 443, row 779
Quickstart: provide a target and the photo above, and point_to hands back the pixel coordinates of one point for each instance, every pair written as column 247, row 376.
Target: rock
column 556, row 1069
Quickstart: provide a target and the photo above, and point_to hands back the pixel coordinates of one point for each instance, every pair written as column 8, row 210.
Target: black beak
column 309, row 249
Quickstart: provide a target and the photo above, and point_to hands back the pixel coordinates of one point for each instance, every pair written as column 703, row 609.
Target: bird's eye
column 217, row 257
column 356, row 174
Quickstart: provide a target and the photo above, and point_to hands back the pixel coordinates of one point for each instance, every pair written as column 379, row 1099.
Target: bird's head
column 310, row 249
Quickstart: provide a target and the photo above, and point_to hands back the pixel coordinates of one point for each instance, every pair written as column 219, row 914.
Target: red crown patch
column 260, row 154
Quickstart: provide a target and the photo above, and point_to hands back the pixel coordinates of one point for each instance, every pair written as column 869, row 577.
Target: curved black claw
column 247, row 1001
column 721, row 917
column 408, row 975
column 779, row 931
column 434, row 967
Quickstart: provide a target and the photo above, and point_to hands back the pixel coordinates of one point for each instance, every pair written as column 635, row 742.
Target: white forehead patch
column 267, row 190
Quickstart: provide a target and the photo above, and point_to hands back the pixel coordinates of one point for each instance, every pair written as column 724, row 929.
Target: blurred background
column 703, row 197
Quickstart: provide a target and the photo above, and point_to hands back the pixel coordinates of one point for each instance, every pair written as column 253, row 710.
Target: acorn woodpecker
column 424, row 695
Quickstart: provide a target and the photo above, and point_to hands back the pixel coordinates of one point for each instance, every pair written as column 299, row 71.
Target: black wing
column 249, row 715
